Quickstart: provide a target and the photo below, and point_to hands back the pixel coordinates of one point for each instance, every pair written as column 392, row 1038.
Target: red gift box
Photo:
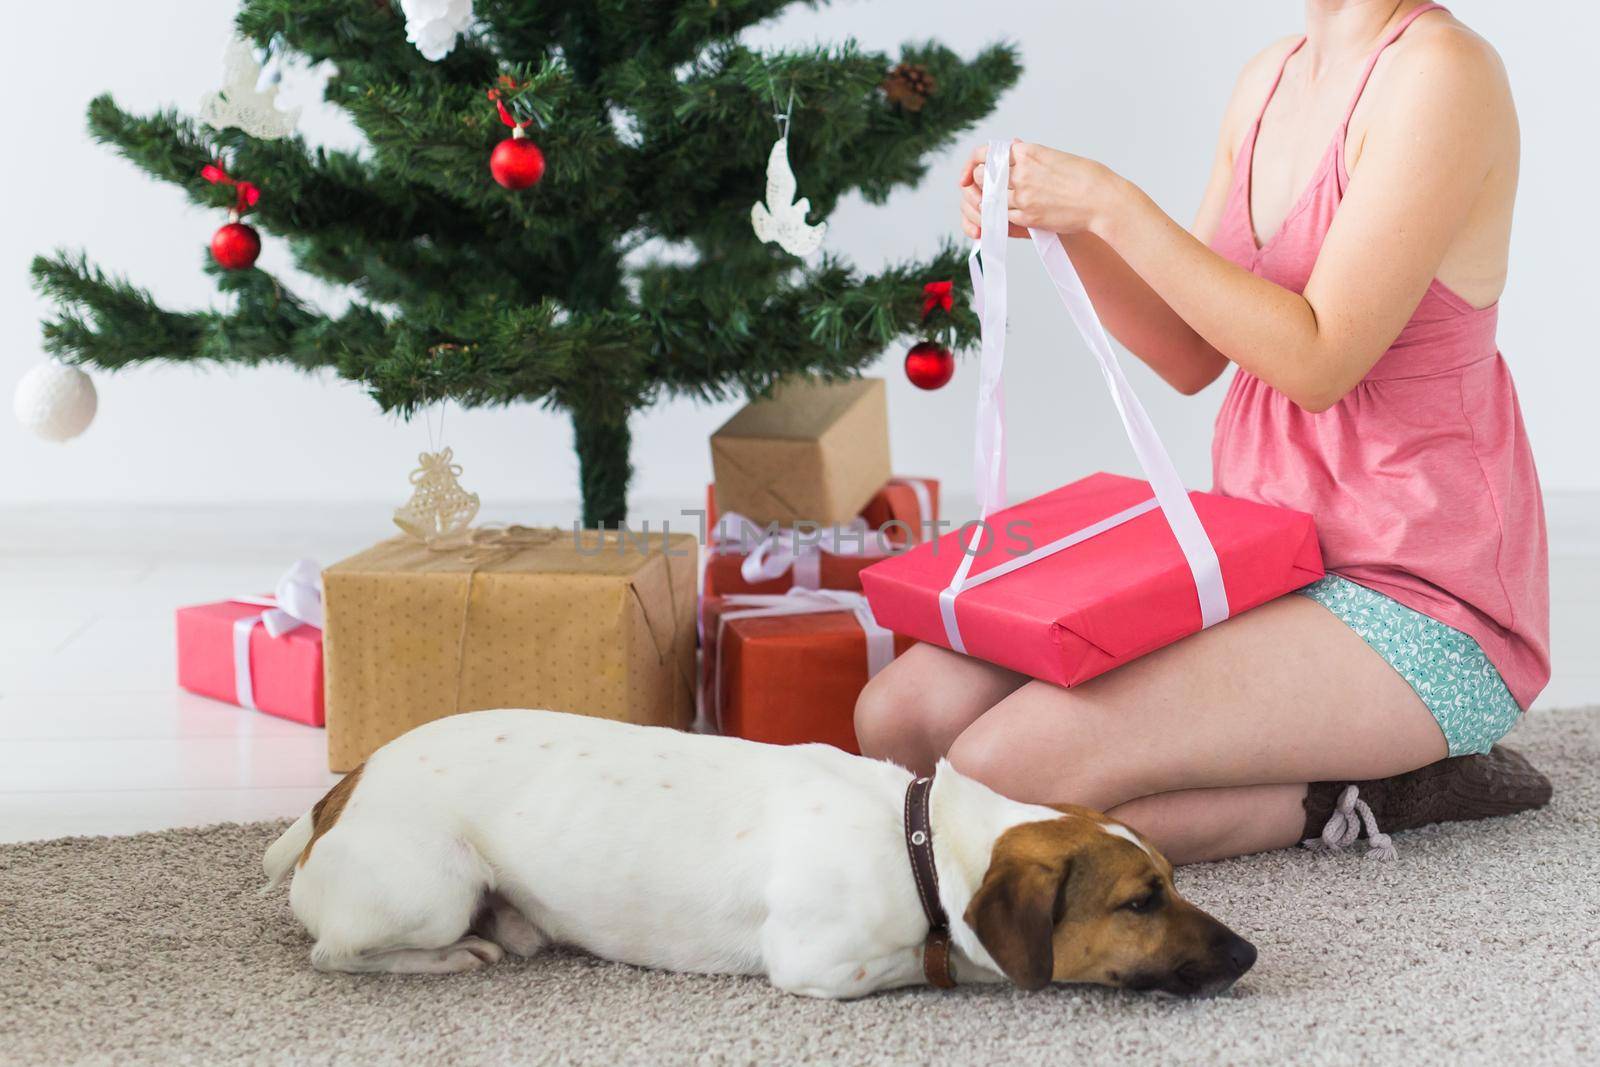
column 285, row 672
column 787, row 669
column 906, row 511
column 1101, row 602
column 902, row 513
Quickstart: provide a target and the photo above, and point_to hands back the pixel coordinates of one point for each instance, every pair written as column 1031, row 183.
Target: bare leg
column 1196, row 825
column 1285, row 694
column 916, row 707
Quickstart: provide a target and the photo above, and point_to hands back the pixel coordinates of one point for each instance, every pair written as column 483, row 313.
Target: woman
column 1347, row 257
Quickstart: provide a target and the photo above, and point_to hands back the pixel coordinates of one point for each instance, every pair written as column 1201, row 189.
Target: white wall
column 1139, row 85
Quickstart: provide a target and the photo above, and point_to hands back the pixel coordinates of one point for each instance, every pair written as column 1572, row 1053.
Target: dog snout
column 1225, row 960
column 1239, row 953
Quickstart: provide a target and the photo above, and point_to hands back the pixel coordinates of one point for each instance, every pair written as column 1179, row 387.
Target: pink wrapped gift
column 258, row 652
column 1085, row 578
column 1098, row 603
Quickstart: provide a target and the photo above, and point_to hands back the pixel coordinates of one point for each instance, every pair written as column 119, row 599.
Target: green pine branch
column 355, row 225
column 559, row 238
column 713, row 343
column 892, row 150
column 109, row 323
column 705, row 137
column 710, row 343
column 364, row 39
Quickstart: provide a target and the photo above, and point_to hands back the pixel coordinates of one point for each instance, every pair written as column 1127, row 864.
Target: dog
column 505, row 831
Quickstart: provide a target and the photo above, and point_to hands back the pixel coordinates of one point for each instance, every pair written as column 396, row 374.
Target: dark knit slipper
column 1502, row 782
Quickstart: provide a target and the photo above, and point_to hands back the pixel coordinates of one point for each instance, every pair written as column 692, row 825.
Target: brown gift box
column 812, row 452
column 602, row 626
column 786, row 679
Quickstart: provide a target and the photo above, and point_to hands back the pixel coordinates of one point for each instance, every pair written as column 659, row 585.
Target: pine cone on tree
column 909, row 85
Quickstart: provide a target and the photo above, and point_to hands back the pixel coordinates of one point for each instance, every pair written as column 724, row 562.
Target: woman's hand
column 1050, row 190
column 972, row 195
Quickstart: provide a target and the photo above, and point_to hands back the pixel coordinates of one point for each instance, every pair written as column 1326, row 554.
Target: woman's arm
column 1138, row 317
column 1135, row 313
column 1423, row 162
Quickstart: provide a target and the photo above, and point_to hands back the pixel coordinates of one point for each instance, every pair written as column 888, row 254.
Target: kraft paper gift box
column 600, row 626
column 812, row 452
column 901, row 513
column 1099, row 603
column 773, row 675
column 281, row 675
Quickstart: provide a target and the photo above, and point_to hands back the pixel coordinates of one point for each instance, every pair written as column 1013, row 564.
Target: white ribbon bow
column 797, row 601
column 296, row 602
column 989, row 298
column 772, row 552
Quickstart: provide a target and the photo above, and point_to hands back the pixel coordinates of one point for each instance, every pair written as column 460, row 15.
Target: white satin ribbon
column 797, row 601
column 777, row 551
column 989, row 294
column 296, row 602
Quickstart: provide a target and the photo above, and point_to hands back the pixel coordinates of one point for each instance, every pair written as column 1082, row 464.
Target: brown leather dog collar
column 919, row 845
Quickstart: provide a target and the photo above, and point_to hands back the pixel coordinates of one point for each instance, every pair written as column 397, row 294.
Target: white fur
column 1118, row 830
column 645, row 845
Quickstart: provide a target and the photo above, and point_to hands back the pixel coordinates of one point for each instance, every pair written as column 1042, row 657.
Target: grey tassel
column 1344, row 827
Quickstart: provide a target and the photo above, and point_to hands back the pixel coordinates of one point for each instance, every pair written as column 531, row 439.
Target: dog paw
column 486, row 952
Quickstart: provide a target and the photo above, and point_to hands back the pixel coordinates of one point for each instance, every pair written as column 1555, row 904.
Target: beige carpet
column 1481, row 944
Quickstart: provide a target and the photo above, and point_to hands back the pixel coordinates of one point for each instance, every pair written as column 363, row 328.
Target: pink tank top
column 1421, row 480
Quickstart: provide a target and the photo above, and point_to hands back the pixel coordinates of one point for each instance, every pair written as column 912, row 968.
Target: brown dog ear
column 1014, row 913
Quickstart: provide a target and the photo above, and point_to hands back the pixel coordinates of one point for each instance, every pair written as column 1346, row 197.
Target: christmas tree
column 630, row 271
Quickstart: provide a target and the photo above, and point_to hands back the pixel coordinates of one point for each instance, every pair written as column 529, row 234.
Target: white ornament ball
column 55, row 401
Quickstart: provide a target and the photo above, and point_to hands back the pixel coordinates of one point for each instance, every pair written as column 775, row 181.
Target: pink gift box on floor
column 1097, row 604
column 285, row 672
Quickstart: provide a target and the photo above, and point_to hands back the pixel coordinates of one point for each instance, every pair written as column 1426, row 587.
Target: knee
column 1068, row 767
column 893, row 722
column 986, row 755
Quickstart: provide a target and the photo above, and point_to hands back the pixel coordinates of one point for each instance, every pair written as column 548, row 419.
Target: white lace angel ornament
column 782, row 218
column 241, row 103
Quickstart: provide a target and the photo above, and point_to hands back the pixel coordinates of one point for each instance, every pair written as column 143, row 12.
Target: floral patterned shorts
column 1446, row 667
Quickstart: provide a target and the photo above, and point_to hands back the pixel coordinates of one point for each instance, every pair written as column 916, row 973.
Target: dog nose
column 1240, row 953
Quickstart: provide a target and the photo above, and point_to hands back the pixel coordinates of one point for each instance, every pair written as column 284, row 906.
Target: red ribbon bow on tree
column 497, row 94
column 937, row 295
column 246, row 193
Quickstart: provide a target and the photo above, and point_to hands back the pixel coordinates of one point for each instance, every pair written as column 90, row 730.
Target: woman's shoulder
column 1251, row 87
column 1443, row 57
column 1255, row 80
column 1438, row 70
column 1265, row 63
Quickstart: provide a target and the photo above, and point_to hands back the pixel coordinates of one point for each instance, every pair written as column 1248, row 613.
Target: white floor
column 96, row 738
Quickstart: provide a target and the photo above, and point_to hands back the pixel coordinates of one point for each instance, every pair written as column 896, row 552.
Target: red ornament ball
column 516, row 162
column 236, row 246
column 929, row 365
